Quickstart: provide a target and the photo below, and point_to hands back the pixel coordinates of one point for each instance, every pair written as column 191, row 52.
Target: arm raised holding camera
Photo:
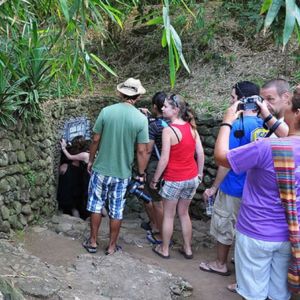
column 279, row 127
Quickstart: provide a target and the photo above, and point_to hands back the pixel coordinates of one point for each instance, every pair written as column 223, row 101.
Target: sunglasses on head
column 175, row 100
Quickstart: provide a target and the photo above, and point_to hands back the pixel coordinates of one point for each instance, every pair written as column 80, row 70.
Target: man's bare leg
column 220, row 264
column 222, row 254
column 158, row 214
column 151, row 215
column 95, row 225
column 114, row 226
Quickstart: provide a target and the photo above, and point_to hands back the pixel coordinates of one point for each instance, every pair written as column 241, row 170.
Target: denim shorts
column 261, row 268
column 176, row 190
column 103, row 188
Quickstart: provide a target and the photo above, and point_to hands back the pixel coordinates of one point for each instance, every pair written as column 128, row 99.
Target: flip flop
column 160, row 254
column 206, row 268
column 88, row 247
column 117, row 248
column 152, row 239
column 232, row 287
column 187, row 256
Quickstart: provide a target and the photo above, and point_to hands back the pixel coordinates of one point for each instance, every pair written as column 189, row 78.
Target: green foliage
column 31, row 178
column 9, row 94
column 209, row 109
column 170, row 38
column 44, row 47
column 290, row 22
column 246, row 13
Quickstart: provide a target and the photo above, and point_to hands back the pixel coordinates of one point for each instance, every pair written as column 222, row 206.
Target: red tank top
column 182, row 164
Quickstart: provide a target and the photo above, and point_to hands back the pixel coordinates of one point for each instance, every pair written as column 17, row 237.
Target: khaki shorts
column 224, row 217
column 150, row 173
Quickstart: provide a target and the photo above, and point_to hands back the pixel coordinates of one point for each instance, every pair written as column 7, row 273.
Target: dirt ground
column 62, row 251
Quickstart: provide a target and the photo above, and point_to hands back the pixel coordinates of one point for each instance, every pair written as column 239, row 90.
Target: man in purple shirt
column 262, row 250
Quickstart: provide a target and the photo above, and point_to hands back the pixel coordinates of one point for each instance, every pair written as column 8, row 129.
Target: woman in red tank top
column 180, row 171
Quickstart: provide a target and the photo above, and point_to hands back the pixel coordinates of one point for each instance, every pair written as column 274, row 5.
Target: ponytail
column 188, row 115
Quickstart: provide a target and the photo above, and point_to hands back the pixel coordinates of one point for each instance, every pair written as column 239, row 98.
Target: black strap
column 273, row 128
column 175, row 133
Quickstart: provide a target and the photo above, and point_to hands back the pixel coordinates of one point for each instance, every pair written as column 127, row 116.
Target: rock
column 14, row 169
column 8, row 291
column 211, row 171
column 17, row 145
column 38, row 287
column 209, row 141
column 4, row 186
column 207, row 180
column 3, row 159
column 204, row 130
column 4, row 212
column 208, row 151
column 17, row 207
column 46, row 144
column 23, row 220
column 63, row 227
column 21, row 156
column 5, row 226
column 26, row 209
column 12, row 158
column 5, row 144
column 14, row 222
column 31, row 154
column 3, row 172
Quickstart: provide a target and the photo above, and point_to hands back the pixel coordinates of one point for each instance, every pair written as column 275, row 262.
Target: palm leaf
column 289, row 21
column 272, row 13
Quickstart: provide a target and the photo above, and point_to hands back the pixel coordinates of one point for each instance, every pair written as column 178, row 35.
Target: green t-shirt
column 120, row 126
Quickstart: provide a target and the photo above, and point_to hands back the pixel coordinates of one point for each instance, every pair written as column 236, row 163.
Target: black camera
column 133, row 188
column 249, row 103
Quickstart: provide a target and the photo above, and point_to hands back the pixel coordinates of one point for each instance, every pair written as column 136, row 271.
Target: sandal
column 232, row 287
column 88, row 247
column 186, row 256
column 117, row 248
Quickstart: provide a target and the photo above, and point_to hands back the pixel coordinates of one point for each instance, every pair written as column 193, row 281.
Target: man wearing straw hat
column 116, row 131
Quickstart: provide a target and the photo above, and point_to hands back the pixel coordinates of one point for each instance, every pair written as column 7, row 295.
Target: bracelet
column 63, row 148
column 226, row 124
column 140, row 175
column 268, row 118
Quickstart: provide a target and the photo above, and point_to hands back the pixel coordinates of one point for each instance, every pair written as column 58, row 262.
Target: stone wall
column 29, row 159
column 30, row 155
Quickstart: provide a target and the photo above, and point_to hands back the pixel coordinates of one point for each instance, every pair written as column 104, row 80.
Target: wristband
column 140, row 174
column 268, row 118
column 226, row 124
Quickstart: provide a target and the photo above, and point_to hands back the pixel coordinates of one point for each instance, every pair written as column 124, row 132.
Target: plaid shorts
column 176, row 190
column 102, row 188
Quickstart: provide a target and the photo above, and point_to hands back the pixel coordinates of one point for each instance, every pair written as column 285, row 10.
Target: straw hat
column 131, row 87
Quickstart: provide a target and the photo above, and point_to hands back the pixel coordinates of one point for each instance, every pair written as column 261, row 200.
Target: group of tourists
column 255, row 190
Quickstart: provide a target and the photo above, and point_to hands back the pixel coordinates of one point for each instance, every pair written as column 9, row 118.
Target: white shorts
column 261, row 268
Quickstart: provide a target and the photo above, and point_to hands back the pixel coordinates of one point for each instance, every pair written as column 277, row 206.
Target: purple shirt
column 261, row 214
